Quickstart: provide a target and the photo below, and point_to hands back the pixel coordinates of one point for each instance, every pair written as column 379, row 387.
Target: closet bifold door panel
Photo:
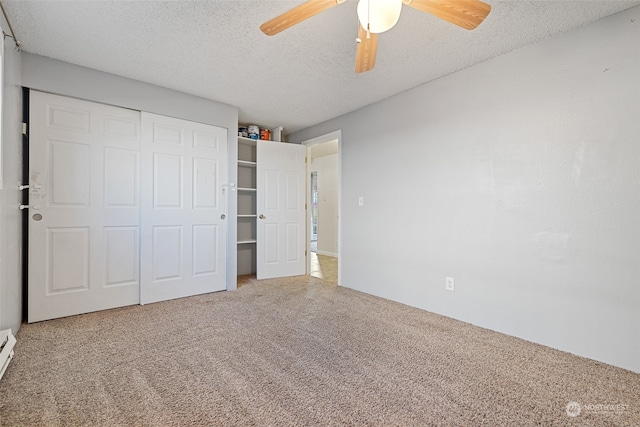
column 183, row 208
column 83, row 207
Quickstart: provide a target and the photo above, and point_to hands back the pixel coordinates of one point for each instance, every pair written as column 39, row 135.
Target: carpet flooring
column 302, row 352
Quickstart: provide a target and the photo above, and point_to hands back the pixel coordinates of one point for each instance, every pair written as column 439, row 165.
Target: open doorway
column 323, row 172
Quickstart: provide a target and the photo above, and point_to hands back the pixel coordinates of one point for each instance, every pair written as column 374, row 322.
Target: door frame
column 331, row 136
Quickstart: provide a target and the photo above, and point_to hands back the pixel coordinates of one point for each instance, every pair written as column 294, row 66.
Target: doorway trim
column 335, row 135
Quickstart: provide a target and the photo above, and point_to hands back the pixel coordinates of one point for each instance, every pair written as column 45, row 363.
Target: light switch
column 361, row 201
column 449, row 284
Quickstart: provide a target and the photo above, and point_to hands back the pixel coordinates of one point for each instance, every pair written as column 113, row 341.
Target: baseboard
column 331, row 254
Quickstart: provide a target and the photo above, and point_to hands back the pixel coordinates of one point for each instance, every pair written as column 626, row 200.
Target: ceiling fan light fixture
column 379, row 16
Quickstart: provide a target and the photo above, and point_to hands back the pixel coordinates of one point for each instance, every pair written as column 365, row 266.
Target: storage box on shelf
column 273, row 134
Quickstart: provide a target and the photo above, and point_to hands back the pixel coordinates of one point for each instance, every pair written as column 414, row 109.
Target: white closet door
column 184, row 229
column 83, row 220
column 281, row 189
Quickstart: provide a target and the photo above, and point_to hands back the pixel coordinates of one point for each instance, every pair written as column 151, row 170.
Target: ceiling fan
column 377, row 16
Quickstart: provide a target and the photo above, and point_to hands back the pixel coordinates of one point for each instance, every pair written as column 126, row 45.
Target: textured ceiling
column 298, row 78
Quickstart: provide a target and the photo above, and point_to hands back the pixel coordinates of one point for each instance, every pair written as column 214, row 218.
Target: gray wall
column 519, row 177
column 62, row 78
column 10, row 197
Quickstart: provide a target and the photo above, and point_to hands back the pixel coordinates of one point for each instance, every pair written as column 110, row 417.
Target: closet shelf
column 247, row 164
column 247, row 141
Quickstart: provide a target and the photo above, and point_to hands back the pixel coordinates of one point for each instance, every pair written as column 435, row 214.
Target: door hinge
column 305, row 252
column 305, row 206
column 305, row 160
column 24, row 128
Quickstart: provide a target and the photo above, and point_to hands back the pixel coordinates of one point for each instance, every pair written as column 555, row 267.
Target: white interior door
column 184, row 229
column 83, row 220
column 281, row 190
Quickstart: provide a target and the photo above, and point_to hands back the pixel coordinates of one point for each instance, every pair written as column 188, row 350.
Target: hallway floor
column 322, row 267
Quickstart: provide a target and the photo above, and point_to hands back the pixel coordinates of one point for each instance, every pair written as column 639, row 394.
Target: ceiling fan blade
column 296, row 15
column 366, row 50
column 467, row 14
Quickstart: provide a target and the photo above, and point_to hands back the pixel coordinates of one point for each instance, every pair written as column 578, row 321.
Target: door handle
column 262, row 216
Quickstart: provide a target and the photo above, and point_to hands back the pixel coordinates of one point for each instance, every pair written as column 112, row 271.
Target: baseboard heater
column 7, row 341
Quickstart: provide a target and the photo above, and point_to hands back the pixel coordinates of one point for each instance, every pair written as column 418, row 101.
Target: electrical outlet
column 449, row 284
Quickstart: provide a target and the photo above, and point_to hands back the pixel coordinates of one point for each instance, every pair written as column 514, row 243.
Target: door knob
column 262, row 216
column 223, row 216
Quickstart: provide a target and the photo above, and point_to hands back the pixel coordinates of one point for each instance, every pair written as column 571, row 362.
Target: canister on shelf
column 254, row 131
column 265, row 134
column 243, row 131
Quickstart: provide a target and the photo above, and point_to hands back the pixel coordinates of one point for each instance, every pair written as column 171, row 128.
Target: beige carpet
column 298, row 352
